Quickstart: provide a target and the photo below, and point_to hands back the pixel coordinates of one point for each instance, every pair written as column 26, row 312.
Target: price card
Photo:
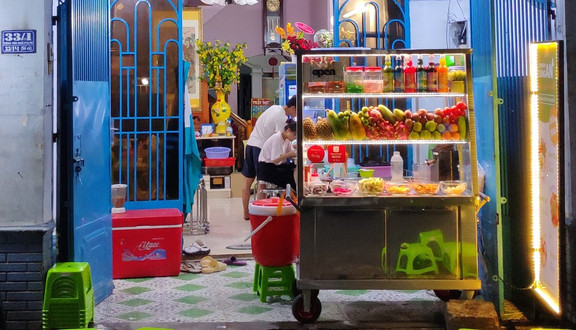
column 18, row 41
column 337, row 154
column 315, row 154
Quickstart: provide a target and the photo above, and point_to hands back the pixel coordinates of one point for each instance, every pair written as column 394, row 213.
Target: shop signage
column 547, row 164
column 315, row 154
column 259, row 105
column 18, row 41
column 337, row 154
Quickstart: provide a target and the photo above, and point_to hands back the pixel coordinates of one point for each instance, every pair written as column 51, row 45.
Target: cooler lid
column 149, row 217
column 269, row 206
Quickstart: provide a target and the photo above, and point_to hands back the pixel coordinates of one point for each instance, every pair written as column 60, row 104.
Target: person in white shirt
column 276, row 151
column 272, row 120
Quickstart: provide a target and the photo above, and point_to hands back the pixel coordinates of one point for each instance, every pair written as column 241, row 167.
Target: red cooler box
column 146, row 243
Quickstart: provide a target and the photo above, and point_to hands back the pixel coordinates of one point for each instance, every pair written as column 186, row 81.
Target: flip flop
column 232, row 261
column 209, row 265
column 190, row 267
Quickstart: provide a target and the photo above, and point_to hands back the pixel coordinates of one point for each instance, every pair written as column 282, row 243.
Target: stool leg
column 290, row 279
column 263, row 287
column 256, row 284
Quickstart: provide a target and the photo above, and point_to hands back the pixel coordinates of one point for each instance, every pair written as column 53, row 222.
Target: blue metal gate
column 376, row 25
column 517, row 23
column 146, row 57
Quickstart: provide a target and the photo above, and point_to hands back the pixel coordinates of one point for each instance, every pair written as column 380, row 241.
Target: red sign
column 315, row 154
column 337, row 154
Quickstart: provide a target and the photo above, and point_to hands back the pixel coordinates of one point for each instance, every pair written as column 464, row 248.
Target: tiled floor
column 225, row 299
column 228, row 297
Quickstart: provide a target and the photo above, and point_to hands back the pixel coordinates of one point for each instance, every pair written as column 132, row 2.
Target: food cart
column 372, row 233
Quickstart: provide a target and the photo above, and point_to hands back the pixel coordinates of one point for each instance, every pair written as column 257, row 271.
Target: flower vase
column 220, row 112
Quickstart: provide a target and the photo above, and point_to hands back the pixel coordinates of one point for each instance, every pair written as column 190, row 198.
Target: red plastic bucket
column 278, row 242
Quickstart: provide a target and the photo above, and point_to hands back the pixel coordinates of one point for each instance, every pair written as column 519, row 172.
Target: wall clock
column 272, row 19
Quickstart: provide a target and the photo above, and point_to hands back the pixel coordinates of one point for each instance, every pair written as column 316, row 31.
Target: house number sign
column 18, row 41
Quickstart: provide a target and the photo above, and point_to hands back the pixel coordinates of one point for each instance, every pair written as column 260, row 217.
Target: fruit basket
column 454, row 188
column 425, row 188
column 371, row 186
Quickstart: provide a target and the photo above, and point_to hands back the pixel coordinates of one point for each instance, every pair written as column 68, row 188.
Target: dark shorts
column 250, row 167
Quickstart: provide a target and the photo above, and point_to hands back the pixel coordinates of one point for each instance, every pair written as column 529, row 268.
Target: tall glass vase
column 220, row 111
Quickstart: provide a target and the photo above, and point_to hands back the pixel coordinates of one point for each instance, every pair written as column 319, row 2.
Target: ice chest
column 146, row 243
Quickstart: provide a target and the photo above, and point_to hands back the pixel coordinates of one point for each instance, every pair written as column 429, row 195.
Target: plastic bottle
column 432, row 75
column 409, row 77
column 397, row 164
column 387, row 75
column 442, row 76
column 421, row 76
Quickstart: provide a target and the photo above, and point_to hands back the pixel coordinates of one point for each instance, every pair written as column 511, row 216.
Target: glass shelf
column 378, row 95
column 382, row 142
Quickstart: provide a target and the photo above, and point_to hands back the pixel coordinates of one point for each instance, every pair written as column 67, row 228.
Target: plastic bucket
column 278, row 242
column 217, row 152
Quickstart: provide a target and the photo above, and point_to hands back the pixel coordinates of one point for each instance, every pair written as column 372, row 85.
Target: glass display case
column 370, row 220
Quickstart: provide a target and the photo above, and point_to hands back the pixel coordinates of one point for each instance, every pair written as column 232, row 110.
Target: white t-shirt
column 273, row 148
column 272, row 120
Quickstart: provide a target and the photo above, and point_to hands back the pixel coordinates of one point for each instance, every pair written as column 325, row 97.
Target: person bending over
column 272, row 120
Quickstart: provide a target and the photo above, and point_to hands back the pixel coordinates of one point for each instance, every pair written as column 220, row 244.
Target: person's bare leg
column 246, row 196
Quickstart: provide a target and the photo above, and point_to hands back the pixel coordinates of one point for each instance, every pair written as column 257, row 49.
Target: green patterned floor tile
column 187, row 276
column 136, row 290
column 254, row 310
column 245, row 297
column 237, row 274
column 195, row 312
column 136, row 302
column 240, row 285
column 353, row 293
column 191, row 299
column 139, row 280
column 134, row 316
column 190, row 287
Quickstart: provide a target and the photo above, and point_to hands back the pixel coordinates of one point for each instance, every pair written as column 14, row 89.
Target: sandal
column 209, row 265
column 190, row 267
column 197, row 248
column 201, row 246
column 232, row 261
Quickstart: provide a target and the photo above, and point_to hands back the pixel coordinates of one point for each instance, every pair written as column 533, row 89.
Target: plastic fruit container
column 398, row 188
column 371, row 186
column 343, row 187
column 454, row 188
column 318, row 188
column 366, row 173
column 425, row 188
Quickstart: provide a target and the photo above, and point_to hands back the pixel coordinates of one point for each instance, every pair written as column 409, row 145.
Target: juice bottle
column 398, row 75
column 442, row 76
column 409, row 77
column 388, row 75
column 432, row 75
column 421, row 76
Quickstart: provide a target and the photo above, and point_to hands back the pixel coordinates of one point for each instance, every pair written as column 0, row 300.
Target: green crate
column 68, row 296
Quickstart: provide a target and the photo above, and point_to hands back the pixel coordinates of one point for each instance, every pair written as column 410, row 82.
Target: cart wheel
column 446, row 295
column 301, row 315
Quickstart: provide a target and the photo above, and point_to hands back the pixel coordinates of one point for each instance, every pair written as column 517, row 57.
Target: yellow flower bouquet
column 219, row 59
column 293, row 41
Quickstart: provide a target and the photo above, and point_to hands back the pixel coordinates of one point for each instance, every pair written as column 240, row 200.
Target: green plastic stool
column 273, row 281
column 416, row 259
column 68, row 296
column 469, row 259
column 434, row 239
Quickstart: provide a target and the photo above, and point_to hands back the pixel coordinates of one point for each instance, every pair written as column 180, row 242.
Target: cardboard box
column 237, row 182
column 146, row 243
